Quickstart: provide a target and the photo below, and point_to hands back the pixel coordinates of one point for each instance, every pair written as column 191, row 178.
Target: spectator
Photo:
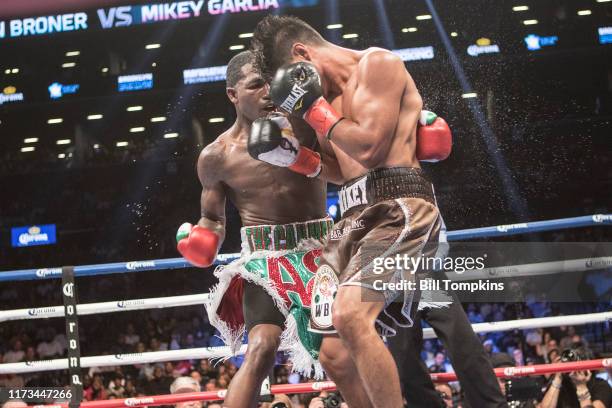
column 446, row 393
column 16, row 353
column 281, row 401
column 504, row 360
column 440, row 364
column 159, row 384
column 50, row 347
column 186, row 384
column 116, row 386
column 131, row 338
column 14, row 404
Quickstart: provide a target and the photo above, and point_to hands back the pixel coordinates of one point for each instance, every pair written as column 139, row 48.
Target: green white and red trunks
column 281, row 259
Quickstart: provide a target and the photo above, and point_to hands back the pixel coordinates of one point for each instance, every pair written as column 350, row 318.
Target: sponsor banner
column 135, row 82
column 535, row 42
column 475, row 50
column 10, row 94
column 202, row 75
column 415, row 54
column 605, row 35
column 57, row 90
column 33, row 235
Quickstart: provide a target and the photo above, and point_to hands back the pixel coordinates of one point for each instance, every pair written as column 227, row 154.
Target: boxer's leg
column 417, row 387
column 339, row 366
column 264, row 324
column 354, row 320
column 467, row 355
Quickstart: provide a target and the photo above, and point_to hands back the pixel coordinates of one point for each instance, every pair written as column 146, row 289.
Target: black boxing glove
column 296, row 89
column 271, row 140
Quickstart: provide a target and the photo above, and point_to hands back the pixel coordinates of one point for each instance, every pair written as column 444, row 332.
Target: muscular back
column 262, row 193
column 379, row 89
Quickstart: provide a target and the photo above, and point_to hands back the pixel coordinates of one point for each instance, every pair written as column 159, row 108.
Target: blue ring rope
column 179, row 263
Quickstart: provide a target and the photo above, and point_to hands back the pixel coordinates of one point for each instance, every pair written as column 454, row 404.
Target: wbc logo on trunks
column 323, row 294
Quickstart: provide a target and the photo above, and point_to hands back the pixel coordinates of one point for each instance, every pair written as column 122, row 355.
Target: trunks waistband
column 385, row 184
column 283, row 237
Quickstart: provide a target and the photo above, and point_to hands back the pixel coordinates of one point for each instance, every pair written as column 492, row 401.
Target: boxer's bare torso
column 362, row 78
column 262, row 193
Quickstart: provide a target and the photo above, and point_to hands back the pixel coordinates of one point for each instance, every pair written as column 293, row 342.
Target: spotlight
column 409, row 30
column 54, row 121
column 216, row 120
column 520, row 8
column 94, row 116
column 334, row 26
column 30, row 140
column 121, row 144
column 469, row 95
column 137, row 129
column 158, row 119
column 73, row 53
column 27, row 149
column 134, row 108
column 530, row 22
column 68, row 64
column 236, row 47
column 152, row 46
column 351, row 35
column 424, row 17
column 245, row 35
column 63, row 142
column 584, row 12
column 170, row 135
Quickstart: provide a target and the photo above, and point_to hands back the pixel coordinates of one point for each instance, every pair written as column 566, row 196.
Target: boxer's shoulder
column 212, row 158
column 376, row 60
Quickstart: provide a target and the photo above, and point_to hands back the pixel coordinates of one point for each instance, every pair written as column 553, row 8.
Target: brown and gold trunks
column 387, row 212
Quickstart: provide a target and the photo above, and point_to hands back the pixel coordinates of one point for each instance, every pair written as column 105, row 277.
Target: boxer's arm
column 212, row 201
column 375, row 109
column 330, row 169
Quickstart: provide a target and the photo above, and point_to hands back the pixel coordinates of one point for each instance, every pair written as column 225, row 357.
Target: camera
column 333, row 400
column 572, row 354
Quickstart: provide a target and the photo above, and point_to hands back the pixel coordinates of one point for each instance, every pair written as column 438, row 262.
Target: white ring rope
column 106, row 307
column 220, row 352
column 531, row 269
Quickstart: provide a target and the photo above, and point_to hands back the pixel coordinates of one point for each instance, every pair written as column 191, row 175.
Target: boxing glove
column 271, row 140
column 197, row 244
column 434, row 138
column 296, row 89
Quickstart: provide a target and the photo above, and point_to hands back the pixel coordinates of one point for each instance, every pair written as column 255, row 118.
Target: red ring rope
column 170, row 399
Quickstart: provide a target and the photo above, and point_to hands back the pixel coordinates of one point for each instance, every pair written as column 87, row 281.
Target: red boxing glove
column 198, row 245
column 434, row 138
column 322, row 117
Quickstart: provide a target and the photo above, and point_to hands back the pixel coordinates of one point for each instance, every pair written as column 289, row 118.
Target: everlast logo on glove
column 290, row 104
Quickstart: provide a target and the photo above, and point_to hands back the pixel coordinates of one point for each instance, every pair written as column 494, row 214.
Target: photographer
column 519, row 392
column 578, row 389
column 328, row 400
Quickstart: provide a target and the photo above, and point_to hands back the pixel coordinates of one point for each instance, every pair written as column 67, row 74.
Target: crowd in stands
column 172, row 329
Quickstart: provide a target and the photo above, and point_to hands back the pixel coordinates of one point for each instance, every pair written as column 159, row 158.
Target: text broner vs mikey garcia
column 404, row 263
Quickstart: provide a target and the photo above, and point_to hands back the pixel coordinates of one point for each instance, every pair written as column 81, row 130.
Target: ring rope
column 177, row 263
column 171, row 399
column 219, row 352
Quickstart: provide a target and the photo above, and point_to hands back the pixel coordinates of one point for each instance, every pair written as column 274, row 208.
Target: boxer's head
column 246, row 88
column 279, row 40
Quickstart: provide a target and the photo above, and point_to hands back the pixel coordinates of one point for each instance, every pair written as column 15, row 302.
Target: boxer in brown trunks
column 367, row 122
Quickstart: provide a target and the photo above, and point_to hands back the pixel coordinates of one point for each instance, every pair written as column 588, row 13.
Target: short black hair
column 234, row 67
column 273, row 38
